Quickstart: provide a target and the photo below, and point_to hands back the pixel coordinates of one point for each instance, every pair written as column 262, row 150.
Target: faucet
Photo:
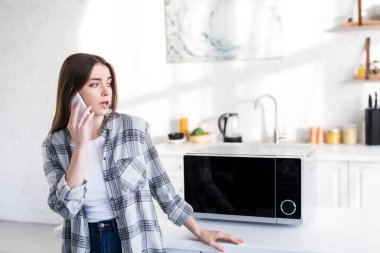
column 276, row 136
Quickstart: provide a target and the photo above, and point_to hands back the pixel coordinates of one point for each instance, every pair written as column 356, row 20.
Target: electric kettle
column 229, row 127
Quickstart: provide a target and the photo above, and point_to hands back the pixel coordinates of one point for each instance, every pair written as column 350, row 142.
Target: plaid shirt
column 132, row 173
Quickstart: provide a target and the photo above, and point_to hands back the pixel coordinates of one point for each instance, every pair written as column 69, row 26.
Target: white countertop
column 256, row 149
column 340, row 152
column 338, row 230
column 328, row 230
column 353, row 153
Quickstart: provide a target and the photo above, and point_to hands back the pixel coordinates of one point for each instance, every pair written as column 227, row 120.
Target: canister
column 349, row 135
column 372, row 126
column 333, row 136
column 320, row 135
column 313, row 135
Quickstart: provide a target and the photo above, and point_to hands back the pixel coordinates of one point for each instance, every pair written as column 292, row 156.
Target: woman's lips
column 104, row 105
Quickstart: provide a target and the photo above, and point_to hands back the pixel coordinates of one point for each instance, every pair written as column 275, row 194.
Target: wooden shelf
column 370, row 77
column 364, row 23
column 367, row 75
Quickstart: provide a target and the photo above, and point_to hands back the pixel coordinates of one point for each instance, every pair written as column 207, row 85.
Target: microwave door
column 243, row 186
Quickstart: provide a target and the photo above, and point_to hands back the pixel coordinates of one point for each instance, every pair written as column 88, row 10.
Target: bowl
column 178, row 141
column 203, row 138
column 175, row 138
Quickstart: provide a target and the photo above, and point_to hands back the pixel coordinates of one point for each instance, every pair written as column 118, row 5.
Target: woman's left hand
column 210, row 237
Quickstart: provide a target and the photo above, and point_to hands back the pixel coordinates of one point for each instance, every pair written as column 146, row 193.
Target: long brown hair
column 74, row 74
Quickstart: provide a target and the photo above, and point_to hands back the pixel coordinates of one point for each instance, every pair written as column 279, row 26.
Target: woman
column 103, row 169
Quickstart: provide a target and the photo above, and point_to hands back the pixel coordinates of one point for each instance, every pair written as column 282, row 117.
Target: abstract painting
column 211, row 30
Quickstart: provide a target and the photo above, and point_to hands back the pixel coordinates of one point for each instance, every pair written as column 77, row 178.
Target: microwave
column 268, row 183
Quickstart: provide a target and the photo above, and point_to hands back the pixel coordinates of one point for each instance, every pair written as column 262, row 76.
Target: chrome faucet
column 276, row 135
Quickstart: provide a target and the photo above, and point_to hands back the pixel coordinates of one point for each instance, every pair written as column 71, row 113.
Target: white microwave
column 269, row 183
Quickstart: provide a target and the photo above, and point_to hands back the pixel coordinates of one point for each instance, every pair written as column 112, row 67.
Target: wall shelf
column 364, row 23
column 371, row 77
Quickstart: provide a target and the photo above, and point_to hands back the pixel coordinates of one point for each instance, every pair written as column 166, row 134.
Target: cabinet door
column 331, row 183
column 173, row 165
column 365, row 185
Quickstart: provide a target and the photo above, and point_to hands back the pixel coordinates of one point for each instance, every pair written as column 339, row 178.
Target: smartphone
column 82, row 105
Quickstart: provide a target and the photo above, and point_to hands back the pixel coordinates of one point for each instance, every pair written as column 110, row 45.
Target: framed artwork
column 212, row 30
column 366, row 13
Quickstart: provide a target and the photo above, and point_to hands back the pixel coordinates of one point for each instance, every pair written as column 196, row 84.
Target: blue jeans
column 104, row 237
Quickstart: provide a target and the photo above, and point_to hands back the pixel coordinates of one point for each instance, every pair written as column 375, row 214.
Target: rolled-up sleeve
column 177, row 209
column 62, row 199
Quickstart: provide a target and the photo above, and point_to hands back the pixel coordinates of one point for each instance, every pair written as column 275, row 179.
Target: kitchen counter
column 340, row 152
column 353, row 153
column 329, row 229
column 335, row 230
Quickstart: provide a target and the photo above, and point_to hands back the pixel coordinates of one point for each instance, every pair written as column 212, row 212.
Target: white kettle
column 229, row 127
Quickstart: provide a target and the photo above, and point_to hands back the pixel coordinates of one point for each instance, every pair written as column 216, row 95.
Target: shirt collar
column 108, row 123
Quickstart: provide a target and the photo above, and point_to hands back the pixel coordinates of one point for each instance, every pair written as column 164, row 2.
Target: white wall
column 312, row 82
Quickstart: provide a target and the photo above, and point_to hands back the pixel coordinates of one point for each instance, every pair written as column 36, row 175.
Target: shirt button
column 101, row 225
column 104, row 158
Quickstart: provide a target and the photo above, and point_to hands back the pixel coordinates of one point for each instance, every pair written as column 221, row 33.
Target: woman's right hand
column 79, row 129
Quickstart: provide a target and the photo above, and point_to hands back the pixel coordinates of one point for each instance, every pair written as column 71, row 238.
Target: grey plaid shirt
column 132, row 173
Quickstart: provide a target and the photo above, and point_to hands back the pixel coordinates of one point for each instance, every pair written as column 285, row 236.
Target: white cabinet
column 171, row 156
column 348, row 184
column 364, row 185
column 173, row 165
column 332, row 183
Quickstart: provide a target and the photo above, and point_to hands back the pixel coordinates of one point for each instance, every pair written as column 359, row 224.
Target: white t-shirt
column 96, row 203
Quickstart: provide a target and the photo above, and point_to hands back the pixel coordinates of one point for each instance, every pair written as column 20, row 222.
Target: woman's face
column 97, row 90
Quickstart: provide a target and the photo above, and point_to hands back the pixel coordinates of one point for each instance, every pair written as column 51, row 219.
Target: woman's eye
column 109, row 84
column 94, row 84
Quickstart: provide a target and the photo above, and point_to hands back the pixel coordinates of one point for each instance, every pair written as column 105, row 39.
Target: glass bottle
column 184, row 126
